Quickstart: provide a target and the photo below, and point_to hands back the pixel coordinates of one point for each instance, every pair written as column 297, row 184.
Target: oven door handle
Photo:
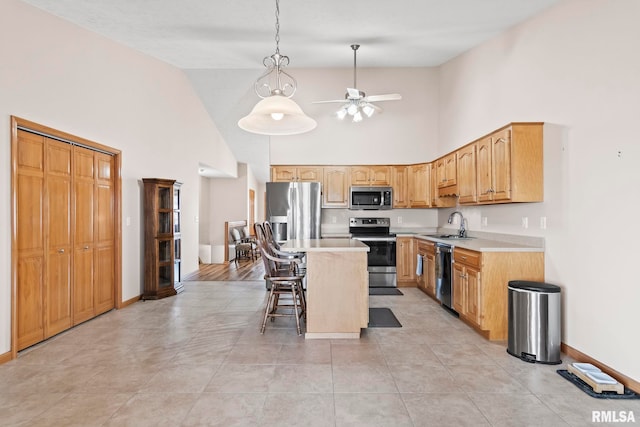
column 375, row 239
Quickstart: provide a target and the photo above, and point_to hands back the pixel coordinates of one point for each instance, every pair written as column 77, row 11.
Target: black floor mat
column 574, row 379
column 382, row 317
column 385, row 291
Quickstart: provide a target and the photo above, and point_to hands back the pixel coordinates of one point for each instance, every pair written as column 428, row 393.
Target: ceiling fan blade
column 387, row 97
column 329, row 101
column 375, row 107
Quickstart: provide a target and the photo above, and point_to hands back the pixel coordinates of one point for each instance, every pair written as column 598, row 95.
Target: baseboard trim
column 130, row 301
column 630, row 383
column 6, row 357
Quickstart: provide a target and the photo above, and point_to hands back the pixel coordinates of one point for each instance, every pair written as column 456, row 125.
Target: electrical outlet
column 196, row 219
column 525, row 222
column 128, row 221
column 485, row 221
column 399, row 220
column 333, row 219
column 543, row 222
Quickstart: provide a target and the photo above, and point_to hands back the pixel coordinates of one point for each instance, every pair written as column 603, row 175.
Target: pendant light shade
column 277, row 115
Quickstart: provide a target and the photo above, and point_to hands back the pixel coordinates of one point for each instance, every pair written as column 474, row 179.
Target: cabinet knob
column 85, row 248
column 60, row 251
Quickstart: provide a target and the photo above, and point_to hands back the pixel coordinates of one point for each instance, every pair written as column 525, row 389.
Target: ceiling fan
column 356, row 103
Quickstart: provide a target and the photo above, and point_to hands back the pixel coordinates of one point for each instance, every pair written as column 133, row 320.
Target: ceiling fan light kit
column 356, row 103
column 276, row 113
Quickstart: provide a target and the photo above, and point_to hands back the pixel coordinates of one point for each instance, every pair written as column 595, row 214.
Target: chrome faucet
column 462, row 232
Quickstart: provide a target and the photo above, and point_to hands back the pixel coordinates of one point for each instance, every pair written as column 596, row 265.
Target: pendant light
column 276, row 113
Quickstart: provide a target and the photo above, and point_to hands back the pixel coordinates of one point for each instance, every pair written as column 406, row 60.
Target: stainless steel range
column 381, row 258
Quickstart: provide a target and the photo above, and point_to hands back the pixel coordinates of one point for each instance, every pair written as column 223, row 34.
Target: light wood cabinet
column 510, row 164
column 335, row 187
column 447, row 175
column 466, row 285
column 65, row 236
column 405, row 261
column 427, row 281
column 419, row 185
column 466, row 164
column 370, row 175
column 159, row 239
column 296, row 173
column 436, row 200
column 400, row 184
column 479, row 284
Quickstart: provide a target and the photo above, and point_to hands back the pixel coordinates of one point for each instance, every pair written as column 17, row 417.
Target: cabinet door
column 380, row 175
column 58, row 195
column 473, row 294
column 335, row 187
column 404, row 257
column 501, row 158
column 283, row 173
column 450, row 170
column 309, row 174
column 458, row 288
column 419, row 180
column 430, row 273
column 467, row 174
column 484, row 176
column 360, row 175
column 400, row 184
column 441, row 172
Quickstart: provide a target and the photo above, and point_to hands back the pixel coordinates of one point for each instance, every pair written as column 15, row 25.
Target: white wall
column 59, row 75
column 575, row 67
column 406, row 132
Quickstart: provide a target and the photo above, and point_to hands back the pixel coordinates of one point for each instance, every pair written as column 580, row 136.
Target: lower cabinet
column 405, row 261
column 479, row 285
column 427, row 281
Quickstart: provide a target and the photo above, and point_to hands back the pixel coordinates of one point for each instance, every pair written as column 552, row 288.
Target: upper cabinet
column 505, row 166
column 296, row 174
column 400, row 184
column 510, row 165
column 466, row 158
column 371, row 175
column 447, row 174
column 335, row 187
column 419, row 185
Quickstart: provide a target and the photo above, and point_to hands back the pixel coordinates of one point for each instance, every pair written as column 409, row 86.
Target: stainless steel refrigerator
column 293, row 209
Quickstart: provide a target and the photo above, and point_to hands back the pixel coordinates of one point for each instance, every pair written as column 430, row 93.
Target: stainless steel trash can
column 534, row 321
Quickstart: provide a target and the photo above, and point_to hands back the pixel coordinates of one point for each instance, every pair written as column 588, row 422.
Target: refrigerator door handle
column 293, row 211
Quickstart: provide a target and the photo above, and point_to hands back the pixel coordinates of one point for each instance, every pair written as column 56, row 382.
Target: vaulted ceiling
column 220, row 44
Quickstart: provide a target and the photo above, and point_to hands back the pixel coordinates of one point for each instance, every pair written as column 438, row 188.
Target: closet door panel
column 30, row 244
column 105, row 235
column 84, row 232
column 58, row 201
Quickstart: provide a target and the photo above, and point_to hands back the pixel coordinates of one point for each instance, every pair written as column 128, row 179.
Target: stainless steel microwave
column 370, row 198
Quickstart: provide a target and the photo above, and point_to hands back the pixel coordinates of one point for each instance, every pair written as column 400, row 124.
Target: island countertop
column 325, row 245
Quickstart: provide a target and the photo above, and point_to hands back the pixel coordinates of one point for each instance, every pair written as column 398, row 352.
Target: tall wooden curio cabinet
column 162, row 249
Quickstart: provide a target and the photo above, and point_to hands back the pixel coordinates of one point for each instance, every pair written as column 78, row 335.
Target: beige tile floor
column 199, row 359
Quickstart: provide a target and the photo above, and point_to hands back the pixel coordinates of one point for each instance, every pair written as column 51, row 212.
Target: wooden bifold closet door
column 65, row 236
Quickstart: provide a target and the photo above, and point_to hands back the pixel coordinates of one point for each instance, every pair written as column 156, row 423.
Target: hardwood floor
column 244, row 270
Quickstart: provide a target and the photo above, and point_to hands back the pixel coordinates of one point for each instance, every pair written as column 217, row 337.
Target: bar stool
column 285, row 279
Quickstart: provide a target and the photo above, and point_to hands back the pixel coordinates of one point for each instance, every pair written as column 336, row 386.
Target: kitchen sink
column 447, row 236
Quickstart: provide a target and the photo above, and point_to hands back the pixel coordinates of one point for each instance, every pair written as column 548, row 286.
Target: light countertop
column 325, row 245
column 485, row 245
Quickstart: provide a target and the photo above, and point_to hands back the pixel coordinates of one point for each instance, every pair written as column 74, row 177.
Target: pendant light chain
column 277, row 27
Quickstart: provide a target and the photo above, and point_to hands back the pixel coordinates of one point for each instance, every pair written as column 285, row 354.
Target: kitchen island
column 337, row 286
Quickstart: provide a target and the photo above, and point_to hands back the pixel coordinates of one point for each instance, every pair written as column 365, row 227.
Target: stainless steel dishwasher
column 444, row 289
